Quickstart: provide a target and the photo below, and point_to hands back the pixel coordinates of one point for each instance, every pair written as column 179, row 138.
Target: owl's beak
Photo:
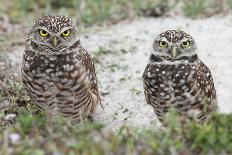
column 173, row 52
column 54, row 41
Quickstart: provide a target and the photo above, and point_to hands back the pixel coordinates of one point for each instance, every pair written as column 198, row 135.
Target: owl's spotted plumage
column 57, row 72
column 176, row 78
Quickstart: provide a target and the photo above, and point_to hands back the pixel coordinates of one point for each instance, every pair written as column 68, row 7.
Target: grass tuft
column 193, row 8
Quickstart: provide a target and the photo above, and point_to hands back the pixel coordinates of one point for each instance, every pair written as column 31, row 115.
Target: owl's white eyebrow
column 163, row 39
column 65, row 28
column 42, row 27
column 185, row 39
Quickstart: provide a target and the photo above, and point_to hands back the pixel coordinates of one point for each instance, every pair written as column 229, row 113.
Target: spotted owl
column 57, row 72
column 175, row 78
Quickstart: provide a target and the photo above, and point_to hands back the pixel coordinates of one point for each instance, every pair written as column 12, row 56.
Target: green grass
column 229, row 3
column 89, row 12
column 85, row 11
column 193, row 8
column 35, row 132
column 205, row 8
column 41, row 135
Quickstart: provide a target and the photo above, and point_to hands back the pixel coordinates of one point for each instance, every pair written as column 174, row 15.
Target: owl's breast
column 170, row 83
column 53, row 74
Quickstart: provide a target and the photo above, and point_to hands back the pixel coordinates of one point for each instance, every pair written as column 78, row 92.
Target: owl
column 175, row 78
column 57, row 72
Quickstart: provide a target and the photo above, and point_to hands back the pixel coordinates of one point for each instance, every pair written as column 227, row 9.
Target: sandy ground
column 128, row 45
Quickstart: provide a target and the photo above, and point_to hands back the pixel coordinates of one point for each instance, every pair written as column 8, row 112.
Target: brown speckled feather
column 59, row 79
column 185, row 84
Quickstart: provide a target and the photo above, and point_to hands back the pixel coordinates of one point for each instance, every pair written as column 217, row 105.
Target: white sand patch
column 120, row 73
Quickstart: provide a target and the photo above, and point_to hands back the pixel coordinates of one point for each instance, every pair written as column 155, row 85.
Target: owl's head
column 174, row 45
column 53, row 33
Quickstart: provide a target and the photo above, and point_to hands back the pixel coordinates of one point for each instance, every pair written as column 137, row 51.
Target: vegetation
column 35, row 132
column 96, row 11
column 86, row 11
column 202, row 8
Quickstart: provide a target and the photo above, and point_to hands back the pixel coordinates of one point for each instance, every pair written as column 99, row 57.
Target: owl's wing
column 88, row 63
column 152, row 91
column 146, row 85
column 204, row 81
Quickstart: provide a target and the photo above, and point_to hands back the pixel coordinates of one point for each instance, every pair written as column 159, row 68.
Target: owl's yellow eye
column 43, row 33
column 185, row 44
column 163, row 44
column 66, row 33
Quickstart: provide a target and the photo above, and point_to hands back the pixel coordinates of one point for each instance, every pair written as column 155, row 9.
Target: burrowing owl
column 176, row 77
column 57, row 72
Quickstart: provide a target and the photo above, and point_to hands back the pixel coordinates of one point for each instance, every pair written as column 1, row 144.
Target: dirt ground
column 122, row 52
